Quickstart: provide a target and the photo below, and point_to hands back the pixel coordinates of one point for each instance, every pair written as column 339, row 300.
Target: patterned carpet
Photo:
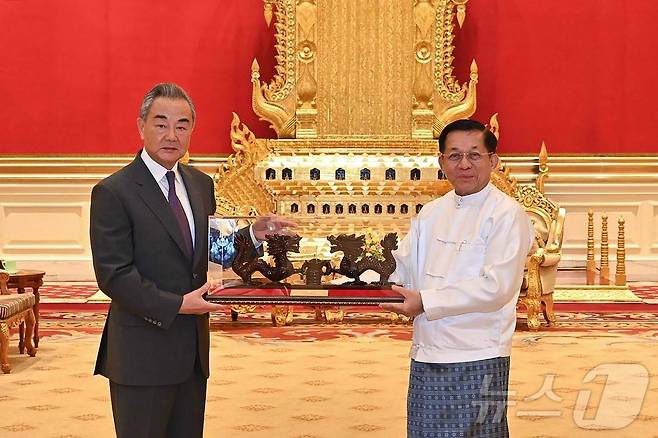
column 65, row 310
column 351, row 384
column 594, row 373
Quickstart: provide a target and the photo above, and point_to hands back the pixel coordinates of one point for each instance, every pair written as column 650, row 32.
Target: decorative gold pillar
column 620, row 275
column 604, row 275
column 423, row 88
column 591, row 264
column 307, row 86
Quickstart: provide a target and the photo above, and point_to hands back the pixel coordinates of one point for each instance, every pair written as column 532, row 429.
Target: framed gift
column 222, row 247
column 241, row 273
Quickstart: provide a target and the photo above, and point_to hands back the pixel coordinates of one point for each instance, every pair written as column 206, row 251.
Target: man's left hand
column 271, row 224
column 412, row 306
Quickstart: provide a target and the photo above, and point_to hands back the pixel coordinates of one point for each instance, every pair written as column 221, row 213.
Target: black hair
column 490, row 140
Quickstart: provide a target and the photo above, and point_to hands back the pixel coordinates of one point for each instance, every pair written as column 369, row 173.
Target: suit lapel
column 150, row 192
column 199, row 213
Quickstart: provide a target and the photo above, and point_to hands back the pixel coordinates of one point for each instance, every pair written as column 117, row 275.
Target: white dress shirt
column 160, row 175
column 466, row 255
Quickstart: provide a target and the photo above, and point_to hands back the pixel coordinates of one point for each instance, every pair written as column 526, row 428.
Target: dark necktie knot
column 171, row 179
column 179, row 213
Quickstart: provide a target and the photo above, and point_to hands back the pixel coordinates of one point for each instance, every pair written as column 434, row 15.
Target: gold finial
column 620, row 274
column 185, row 159
column 494, row 127
column 461, row 11
column 255, row 70
column 591, row 265
column 267, row 11
column 604, row 275
column 474, row 70
column 543, row 168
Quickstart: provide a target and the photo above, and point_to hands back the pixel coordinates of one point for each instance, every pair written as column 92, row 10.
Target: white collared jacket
column 465, row 254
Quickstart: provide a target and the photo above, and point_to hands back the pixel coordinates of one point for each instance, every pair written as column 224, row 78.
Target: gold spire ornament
column 604, row 274
column 620, row 274
column 267, row 12
column 591, row 264
column 543, row 168
column 461, row 11
column 493, row 126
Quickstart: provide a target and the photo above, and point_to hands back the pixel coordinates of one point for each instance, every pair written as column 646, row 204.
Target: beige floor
column 348, row 387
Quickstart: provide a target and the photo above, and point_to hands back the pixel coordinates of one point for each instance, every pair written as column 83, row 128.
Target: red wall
column 73, row 72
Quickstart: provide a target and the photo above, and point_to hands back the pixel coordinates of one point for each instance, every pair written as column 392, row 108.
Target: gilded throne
column 357, row 109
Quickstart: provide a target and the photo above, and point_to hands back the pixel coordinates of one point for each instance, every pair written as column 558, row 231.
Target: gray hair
column 167, row 90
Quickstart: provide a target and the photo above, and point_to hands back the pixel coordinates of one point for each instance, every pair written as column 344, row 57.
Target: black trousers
column 167, row 411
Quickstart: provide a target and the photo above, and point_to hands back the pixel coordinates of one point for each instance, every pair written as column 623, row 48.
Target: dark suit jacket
column 140, row 263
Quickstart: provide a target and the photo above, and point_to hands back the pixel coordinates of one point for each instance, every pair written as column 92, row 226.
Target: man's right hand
column 195, row 304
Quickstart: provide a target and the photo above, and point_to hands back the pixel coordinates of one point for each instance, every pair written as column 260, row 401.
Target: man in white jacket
column 462, row 265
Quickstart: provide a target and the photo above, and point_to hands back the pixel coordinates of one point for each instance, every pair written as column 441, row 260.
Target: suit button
column 159, row 324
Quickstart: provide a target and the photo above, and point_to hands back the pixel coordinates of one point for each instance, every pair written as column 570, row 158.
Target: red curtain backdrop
column 579, row 75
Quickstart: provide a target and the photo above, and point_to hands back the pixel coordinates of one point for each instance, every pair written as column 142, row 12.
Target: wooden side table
column 20, row 280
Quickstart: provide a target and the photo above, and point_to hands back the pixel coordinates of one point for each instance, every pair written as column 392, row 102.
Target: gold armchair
column 542, row 263
column 14, row 309
column 541, row 267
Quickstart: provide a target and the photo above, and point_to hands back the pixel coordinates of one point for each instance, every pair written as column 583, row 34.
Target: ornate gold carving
column 288, row 102
column 493, row 126
column 620, row 274
column 396, row 318
column 547, row 308
column 591, row 264
column 452, row 101
column 462, row 109
column 604, row 275
column 348, row 94
column 348, row 147
column 242, row 308
column 333, row 315
column 236, row 190
column 283, row 82
column 281, row 315
column 533, row 294
column 361, row 84
column 596, row 293
column 4, row 329
column 281, row 116
column 533, row 200
column 276, row 101
column 504, row 181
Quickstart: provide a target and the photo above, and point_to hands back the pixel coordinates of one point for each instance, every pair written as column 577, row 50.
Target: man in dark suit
column 149, row 246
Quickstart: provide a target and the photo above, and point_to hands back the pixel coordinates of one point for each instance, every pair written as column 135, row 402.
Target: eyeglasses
column 473, row 157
